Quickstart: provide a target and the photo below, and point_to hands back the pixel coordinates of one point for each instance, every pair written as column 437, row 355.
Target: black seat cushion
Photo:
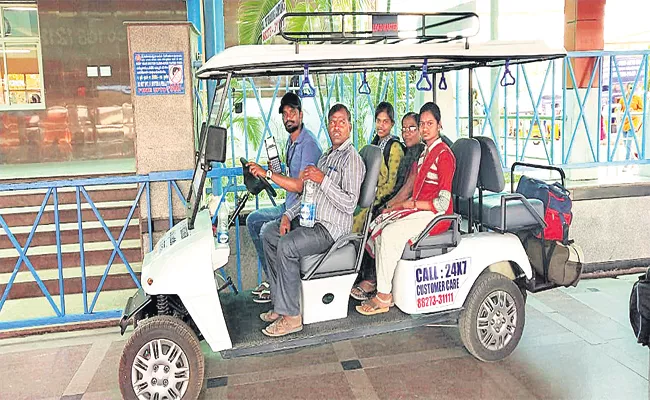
column 430, row 246
column 467, row 152
column 517, row 215
column 490, row 175
column 339, row 260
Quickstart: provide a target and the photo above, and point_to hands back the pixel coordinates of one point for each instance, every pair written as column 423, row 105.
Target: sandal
column 359, row 293
column 266, row 317
column 375, row 306
column 281, row 328
column 262, row 286
column 264, row 297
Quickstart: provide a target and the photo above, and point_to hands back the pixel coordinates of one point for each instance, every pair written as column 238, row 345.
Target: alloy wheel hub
column 497, row 320
column 160, row 371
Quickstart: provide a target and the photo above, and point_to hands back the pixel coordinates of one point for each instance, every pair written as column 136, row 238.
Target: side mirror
column 216, row 145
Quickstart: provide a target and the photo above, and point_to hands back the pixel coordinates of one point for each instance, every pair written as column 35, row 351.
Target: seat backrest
column 371, row 156
column 468, row 159
column 446, row 140
column 490, row 175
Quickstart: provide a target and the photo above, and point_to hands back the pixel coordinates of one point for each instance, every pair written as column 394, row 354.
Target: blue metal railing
column 550, row 121
column 83, row 197
column 578, row 127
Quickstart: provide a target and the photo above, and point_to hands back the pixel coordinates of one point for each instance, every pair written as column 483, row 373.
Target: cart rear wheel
column 492, row 322
column 162, row 360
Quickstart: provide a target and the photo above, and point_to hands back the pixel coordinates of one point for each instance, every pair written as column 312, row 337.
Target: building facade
column 64, row 80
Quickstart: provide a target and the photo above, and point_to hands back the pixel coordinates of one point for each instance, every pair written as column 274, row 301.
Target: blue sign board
column 159, row 73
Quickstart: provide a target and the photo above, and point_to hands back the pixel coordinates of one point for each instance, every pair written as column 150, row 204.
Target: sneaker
column 262, row 286
column 264, row 297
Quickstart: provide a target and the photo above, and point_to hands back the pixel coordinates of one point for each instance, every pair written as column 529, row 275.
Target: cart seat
column 518, row 216
column 342, row 256
column 467, row 152
column 520, row 213
column 341, row 260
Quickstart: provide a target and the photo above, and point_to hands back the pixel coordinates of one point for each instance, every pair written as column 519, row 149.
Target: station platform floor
column 577, row 344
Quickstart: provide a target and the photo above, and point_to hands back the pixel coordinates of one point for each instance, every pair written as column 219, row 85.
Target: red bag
column 557, row 206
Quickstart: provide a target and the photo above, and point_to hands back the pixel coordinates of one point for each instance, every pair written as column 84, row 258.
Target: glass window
column 20, row 22
column 23, row 73
column 21, row 80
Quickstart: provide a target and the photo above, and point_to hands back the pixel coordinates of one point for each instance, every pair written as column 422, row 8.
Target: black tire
column 169, row 329
column 490, row 285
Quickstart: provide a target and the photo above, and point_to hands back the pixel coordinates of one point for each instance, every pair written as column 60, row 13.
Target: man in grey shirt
column 339, row 175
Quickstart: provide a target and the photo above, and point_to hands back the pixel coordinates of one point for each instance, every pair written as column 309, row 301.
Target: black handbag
column 640, row 309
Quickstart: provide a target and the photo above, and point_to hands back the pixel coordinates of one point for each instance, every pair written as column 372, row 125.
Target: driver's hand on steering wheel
column 256, row 170
column 313, row 174
column 285, row 225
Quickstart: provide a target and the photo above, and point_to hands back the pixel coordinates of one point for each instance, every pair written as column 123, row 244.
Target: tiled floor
column 577, row 344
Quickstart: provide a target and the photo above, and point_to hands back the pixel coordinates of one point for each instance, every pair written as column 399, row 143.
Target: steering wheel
column 255, row 184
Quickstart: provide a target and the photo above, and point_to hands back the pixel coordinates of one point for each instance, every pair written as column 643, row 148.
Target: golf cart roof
column 278, row 60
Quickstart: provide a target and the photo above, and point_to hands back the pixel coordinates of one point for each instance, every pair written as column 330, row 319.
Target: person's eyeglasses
column 409, row 129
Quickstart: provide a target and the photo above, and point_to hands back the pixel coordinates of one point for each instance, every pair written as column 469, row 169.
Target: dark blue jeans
column 255, row 221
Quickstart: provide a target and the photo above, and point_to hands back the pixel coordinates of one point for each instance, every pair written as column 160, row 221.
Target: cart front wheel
column 493, row 319
column 162, row 360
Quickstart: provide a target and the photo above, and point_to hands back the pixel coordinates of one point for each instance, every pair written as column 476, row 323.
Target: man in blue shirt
column 302, row 149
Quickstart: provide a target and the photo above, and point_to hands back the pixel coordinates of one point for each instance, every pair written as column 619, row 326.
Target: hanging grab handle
column 507, row 74
column 442, row 85
column 424, row 78
column 306, row 89
column 364, row 88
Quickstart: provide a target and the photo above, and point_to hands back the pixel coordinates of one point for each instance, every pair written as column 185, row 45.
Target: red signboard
column 385, row 25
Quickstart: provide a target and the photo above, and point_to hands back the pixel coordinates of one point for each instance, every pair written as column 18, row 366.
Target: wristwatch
column 269, row 174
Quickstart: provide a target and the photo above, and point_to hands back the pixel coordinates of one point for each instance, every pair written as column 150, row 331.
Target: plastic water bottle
column 307, row 205
column 222, row 223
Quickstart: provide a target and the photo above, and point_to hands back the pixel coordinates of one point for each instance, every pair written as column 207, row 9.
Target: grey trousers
column 283, row 253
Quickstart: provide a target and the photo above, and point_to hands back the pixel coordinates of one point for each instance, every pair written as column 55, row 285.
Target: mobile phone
column 274, row 156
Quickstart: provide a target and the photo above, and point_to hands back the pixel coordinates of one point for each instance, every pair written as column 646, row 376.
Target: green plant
column 251, row 13
column 250, row 17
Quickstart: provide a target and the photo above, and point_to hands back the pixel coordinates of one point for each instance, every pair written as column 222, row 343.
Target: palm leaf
column 250, row 17
column 307, row 24
column 252, row 129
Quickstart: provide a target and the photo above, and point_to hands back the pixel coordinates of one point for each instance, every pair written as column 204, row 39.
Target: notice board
column 159, row 73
